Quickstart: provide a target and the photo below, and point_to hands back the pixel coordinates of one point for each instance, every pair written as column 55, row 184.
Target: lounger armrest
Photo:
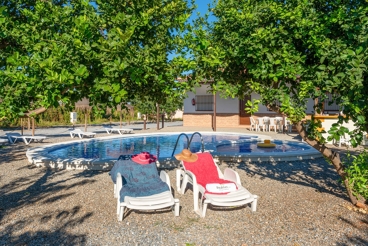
column 230, row 174
column 165, row 177
column 194, row 179
column 119, row 184
column 192, row 175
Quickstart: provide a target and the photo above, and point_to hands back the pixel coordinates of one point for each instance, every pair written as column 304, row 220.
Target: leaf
column 270, row 57
column 81, row 71
column 322, row 60
column 359, row 50
column 116, row 87
column 117, row 99
column 350, row 52
column 361, row 119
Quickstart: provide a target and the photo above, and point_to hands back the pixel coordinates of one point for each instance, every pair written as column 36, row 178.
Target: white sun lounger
column 3, row 141
column 142, row 189
column 81, row 133
column 121, row 131
column 152, row 202
column 13, row 137
column 239, row 197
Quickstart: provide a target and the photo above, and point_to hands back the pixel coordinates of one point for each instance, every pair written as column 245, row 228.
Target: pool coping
column 39, row 155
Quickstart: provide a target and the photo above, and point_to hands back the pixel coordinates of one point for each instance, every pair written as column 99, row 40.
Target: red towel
column 205, row 170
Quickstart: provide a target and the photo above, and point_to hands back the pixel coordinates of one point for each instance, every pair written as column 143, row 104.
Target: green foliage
column 169, row 106
column 357, row 171
column 252, row 106
column 58, row 52
column 140, row 35
column 45, row 54
column 288, row 52
column 337, row 131
column 61, row 116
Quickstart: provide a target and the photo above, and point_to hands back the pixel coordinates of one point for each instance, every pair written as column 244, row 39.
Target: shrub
column 357, row 171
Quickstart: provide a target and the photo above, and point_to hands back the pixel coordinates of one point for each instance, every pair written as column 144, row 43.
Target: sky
column 202, row 7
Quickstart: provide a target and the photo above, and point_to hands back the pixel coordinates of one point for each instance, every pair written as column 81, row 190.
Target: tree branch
column 36, row 111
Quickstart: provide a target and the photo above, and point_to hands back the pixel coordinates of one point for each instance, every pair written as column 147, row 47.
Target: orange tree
column 289, row 51
column 58, row 52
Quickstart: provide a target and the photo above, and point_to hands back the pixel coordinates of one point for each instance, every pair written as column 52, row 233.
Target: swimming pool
column 103, row 152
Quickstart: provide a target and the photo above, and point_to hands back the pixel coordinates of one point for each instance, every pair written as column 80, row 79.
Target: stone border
column 39, row 156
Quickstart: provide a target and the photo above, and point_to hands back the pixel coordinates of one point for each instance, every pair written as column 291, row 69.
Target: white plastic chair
column 81, row 133
column 201, row 197
column 279, row 123
column 288, row 125
column 261, row 125
column 273, row 125
column 344, row 140
column 253, row 124
column 266, row 122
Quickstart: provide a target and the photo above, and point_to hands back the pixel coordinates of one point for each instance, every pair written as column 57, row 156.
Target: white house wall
column 188, row 107
column 223, row 105
column 229, row 105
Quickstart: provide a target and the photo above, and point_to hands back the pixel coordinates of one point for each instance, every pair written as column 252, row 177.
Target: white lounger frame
column 121, row 131
column 153, row 202
column 239, row 197
column 27, row 139
column 81, row 133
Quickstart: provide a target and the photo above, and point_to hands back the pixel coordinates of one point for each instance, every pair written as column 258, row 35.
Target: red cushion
column 205, row 170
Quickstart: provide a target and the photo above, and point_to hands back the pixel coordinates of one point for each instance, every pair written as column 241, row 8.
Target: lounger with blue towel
column 138, row 186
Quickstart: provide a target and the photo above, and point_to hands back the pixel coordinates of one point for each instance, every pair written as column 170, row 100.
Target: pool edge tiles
column 40, row 157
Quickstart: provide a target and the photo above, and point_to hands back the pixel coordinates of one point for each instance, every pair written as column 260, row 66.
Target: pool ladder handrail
column 188, row 141
column 191, row 138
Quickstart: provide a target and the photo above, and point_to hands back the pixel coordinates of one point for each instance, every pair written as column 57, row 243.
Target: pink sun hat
column 144, row 158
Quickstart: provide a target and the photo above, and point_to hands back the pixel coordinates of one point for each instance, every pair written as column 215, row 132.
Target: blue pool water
column 162, row 146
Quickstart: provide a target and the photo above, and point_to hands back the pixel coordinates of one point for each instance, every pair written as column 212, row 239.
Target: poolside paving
column 301, row 203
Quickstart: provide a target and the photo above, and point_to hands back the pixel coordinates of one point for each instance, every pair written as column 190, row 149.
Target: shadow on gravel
column 11, row 153
column 317, row 174
column 355, row 240
column 24, row 193
column 57, row 235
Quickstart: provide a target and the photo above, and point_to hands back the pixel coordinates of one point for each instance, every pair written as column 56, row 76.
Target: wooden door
column 244, row 117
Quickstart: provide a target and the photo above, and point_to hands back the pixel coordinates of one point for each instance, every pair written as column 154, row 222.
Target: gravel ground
column 300, row 203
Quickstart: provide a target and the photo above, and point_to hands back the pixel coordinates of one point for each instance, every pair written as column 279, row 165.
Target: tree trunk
column 33, row 126
column 332, row 156
column 22, row 126
column 85, row 120
column 158, row 116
